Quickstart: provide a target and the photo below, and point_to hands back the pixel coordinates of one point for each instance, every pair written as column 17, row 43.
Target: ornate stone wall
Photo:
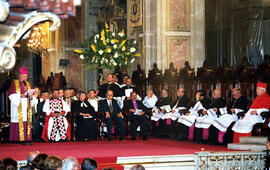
column 173, row 31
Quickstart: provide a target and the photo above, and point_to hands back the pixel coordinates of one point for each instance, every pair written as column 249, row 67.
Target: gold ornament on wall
column 37, row 40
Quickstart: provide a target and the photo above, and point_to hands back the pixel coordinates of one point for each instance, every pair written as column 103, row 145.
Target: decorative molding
column 178, row 15
column 30, row 20
column 13, row 34
column 178, row 50
column 4, row 10
column 241, row 161
column 7, row 58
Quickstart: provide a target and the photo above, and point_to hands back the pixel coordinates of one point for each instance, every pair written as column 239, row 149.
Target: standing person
column 109, row 85
column 85, row 119
column 56, row 126
column 21, row 112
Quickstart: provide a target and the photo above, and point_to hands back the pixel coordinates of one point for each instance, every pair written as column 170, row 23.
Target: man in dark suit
column 112, row 112
column 136, row 110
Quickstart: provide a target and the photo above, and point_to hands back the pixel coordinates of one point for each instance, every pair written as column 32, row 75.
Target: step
column 254, row 140
column 246, row 146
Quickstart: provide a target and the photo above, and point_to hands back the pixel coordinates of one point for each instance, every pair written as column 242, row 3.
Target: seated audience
column 112, row 113
column 186, row 120
column 208, row 117
column 89, row 164
column 10, row 164
column 150, row 99
column 31, row 156
column 56, row 127
column 219, row 131
column 158, row 125
column 261, row 103
column 85, row 119
column 53, row 163
column 39, row 161
column 136, row 115
column 92, row 99
column 70, row 163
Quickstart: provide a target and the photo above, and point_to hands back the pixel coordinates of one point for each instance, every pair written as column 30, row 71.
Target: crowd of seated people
column 156, row 109
column 64, row 115
column 43, row 161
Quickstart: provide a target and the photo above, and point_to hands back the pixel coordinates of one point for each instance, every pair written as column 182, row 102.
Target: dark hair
column 53, row 162
column 10, row 164
column 27, row 167
column 89, row 164
column 38, row 161
column 202, row 93
column 132, row 93
column 92, row 90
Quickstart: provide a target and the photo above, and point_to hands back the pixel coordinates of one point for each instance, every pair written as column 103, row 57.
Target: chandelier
column 36, row 41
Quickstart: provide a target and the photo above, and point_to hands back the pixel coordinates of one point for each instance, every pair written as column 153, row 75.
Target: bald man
column 112, row 112
column 31, row 156
column 203, row 123
column 261, row 103
column 220, row 125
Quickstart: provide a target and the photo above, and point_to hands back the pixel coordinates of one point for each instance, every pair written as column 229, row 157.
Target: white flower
column 132, row 49
column 114, row 46
column 107, row 40
column 134, row 41
column 116, row 55
column 97, row 35
column 95, row 40
column 120, row 34
column 100, row 52
column 81, row 57
column 133, row 59
column 113, row 34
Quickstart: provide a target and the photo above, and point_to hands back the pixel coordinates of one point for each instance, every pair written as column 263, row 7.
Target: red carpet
column 107, row 152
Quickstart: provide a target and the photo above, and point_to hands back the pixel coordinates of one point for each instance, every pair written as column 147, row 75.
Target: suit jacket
column 129, row 105
column 104, row 107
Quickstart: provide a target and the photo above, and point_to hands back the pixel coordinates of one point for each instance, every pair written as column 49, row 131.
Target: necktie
column 111, row 107
column 135, row 105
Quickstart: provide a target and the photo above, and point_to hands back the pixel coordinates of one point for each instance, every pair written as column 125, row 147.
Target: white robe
column 245, row 124
column 15, row 100
column 47, row 110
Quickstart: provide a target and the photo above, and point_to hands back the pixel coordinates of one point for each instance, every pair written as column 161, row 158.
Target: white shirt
column 94, row 103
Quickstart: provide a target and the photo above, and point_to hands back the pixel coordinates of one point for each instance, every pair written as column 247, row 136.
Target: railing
column 230, row 161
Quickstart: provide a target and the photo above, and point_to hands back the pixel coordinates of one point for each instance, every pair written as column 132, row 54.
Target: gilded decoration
column 178, row 50
column 178, row 15
column 135, row 13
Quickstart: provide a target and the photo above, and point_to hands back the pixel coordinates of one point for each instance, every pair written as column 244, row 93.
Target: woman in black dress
column 85, row 119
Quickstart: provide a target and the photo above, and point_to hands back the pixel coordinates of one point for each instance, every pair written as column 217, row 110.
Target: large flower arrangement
column 108, row 50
